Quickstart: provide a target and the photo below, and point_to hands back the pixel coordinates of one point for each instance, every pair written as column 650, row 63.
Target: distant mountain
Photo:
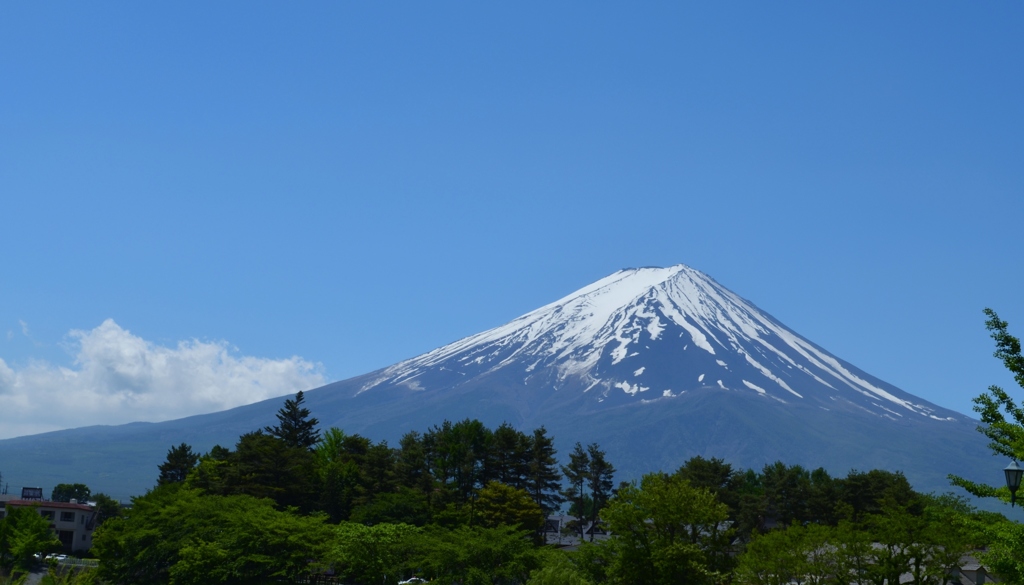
column 655, row 364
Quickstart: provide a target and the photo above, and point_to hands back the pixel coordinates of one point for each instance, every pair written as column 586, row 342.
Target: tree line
column 464, row 503
column 432, row 477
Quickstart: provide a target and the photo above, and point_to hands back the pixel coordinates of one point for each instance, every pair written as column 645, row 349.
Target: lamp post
column 1013, row 474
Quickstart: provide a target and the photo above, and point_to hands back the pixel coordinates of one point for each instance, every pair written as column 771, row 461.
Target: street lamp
column 1013, row 474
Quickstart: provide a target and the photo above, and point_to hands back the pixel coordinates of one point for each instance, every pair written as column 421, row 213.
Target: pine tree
column 510, row 456
column 180, row 461
column 576, row 474
column 542, row 476
column 295, row 427
column 599, row 480
column 460, row 456
column 263, row 466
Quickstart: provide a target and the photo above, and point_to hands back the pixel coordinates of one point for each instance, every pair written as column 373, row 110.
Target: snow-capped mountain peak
column 652, row 334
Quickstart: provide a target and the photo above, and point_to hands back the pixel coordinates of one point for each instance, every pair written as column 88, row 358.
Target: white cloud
column 118, row 377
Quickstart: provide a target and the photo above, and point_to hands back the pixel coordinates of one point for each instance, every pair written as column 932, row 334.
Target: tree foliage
column 1003, row 423
column 65, row 492
column 1002, row 419
column 294, row 425
column 106, row 508
column 1004, row 556
column 499, row 504
column 373, row 554
column 463, row 503
column 261, row 466
column 24, row 533
column 600, row 479
column 664, row 530
column 576, row 474
column 543, row 481
column 558, row 569
column 178, row 535
column 180, row 461
column 503, row 555
column 922, row 541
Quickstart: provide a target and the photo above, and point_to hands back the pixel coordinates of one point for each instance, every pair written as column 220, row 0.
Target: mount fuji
column 648, row 335
column 655, row 364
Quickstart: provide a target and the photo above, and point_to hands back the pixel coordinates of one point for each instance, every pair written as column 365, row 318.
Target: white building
column 73, row 523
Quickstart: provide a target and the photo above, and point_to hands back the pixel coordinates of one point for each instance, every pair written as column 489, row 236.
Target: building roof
column 44, row 504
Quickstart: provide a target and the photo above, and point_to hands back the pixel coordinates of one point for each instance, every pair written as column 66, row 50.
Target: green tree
column 460, row 458
column 180, row 461
column 778, row 557
column 749, row 508
column 1004, row 556
column 352, row 472
column 23, row 533
column 1003, row 423
column 475, row 554
column 742, row 492
column 372, row 554
column 106, row 508
column 666, row 531
column 210, row 474
column 499, row 504
column 600, row 479
column 558, row 570
column 822, row 498
column 1006, row 437
column 65, row 492
column 264, row 466
column 863, row 494
column 542, row 477
column 576, row 474
column 294, row 425
column 925, row 539
column 177, row 535
column 406, row 506
column 954, row 529
column 412, row 469
column 261, row 466
column 802, row 554
column 787, row 490
column 337, row 475
column 378, row 471
column 510, row 456
column 854, row 551
column 712, row 474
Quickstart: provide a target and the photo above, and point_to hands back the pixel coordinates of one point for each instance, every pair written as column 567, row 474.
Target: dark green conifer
column 600, row 481
column 295, row 427
column 576, row 474
column 180, row 461
column 542, row 476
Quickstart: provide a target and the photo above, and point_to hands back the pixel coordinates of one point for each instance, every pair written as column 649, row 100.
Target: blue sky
column 265, row 195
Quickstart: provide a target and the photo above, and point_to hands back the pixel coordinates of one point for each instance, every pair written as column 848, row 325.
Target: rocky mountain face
column 655, row 364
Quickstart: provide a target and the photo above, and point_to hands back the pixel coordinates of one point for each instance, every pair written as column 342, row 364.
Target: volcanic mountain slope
column 655, row 364
column 650, row 334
